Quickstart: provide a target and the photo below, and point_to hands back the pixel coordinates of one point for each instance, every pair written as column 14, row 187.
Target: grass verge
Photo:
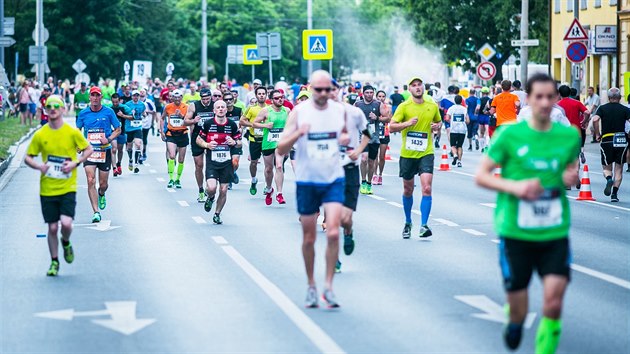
column 10, row 132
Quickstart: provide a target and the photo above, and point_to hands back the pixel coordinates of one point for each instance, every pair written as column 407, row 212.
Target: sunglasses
column 53, row 106
column 228, row 99
column 217, row 96
column 278, row 98
column 95, row 94
column 320, row 89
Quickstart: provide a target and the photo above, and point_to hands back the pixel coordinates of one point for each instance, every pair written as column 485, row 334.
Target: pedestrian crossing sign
column 251, row 55
column 317, row 44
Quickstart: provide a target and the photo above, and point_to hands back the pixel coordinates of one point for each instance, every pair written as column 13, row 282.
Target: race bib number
column 344, row 151
column 203, row 117
column 135, row 123
column 274, row 135
column 258, row 131
column 322, row 146
column 221, row 153
column 544, row 212
column 458, row 118
column 55, row 164
column 95, row 135
column 417, row 141
column 82, row 105
column 97, row 157
column 619, row 140
column 176, row 121
column 381, row 131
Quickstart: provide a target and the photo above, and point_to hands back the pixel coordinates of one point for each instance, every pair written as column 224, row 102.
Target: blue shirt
column 136, row 123
column 471, row 105
column 96, row 124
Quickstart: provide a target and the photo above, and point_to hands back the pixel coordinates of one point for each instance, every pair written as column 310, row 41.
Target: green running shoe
column 207, row 206
column 252, row 189
column 348, row 244
column 96, row 217
column 338, row 267
column 53, row 270
column 178, row 184
column 368, row 189
column 170, row 184
column 201, row 198
column 217, row 219
column 102, row 202
column 68, row 253
column 363, row 189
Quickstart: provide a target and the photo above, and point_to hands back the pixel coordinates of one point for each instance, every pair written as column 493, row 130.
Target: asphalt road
column 174, row 282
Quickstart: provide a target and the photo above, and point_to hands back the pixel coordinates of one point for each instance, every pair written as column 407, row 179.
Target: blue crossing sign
column 251, row 55
column 317, row 44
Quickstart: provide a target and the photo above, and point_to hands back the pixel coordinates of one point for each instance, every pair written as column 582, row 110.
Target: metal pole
column 269, row 53
column 227, row 70
column 40, row 39
column 17, row 62
column 2, row 30
column 253, row 73
column 309, row 25
column 575, row 81
column 204, row 39
column 524, row 35
column 330, row 68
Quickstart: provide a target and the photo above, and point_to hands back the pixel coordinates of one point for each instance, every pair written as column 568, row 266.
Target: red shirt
column 573, row 109
column 164, row 96
column 42, row 101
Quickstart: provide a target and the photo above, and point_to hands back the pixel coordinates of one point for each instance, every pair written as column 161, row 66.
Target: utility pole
column 524, row 35
column 2, row 30
column 309, row 25
column 41, row 67
column 204, row 39
column 575, row 68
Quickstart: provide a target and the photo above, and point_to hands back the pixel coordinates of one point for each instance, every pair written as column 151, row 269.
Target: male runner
column 505, row 106
column 192, row 96
column 218, row 135
column 198, row 113
column 255, row 134
column 374, row 111
column 473, row 126
column 58, row 144
column 532, row 217
column 272, row 120
column 150, row 117
column 123, row 112
column 234, row 114
column 81, row 99
column 133, row 129
column 383, row 136
column 457, row 116
column 100, row 126
column 176, row 136
column 483, row 115
column 417, row 119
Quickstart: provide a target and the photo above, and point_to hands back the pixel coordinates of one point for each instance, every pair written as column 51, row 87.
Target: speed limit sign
column 486, row 71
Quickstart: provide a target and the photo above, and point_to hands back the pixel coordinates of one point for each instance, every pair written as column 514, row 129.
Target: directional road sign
column 269, row 45
column 170, row 67
column 317, row 44
column 82, row 77
column 525, row 42
column 575, row 32
column 6, row 41
column 126, row 67
column 79, row 66
column 486, row 52
column 577, row 52
column 251, row 55
column 45, row 35
column 142, row 70
column 37, row 54
column 486, row 70
column 235, row 54
column 9, row 26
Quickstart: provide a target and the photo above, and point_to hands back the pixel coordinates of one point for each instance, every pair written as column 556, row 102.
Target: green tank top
column 272, row 136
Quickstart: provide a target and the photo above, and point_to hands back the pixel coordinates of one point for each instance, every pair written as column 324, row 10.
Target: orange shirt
column 505, row 104
column 175, row 121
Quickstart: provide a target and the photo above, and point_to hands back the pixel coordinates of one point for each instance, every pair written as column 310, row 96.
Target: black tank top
column 204, row 113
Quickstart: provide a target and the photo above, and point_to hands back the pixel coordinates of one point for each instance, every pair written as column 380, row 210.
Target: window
column 583, row 4
column 613, row 2
column 556, row 6
column 570, row 6
column 598, row 3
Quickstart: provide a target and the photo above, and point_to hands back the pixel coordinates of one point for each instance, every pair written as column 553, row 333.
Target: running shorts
column 55, row 206
column 457, row 140
column 352, row 184
column 102, row 166
column 410, row 167
column 310, row 197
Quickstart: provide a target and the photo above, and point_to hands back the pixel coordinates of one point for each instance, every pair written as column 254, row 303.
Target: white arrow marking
column 69, row 314
column 491, row 310
column 104, row 225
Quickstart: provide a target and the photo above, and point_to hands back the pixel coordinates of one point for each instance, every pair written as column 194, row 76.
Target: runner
column 317, row 129
column 234, row 114
column 133, row 129
column 504, row 106
column 255, row 135
column 58, row 179
column 303, row 96
column 483, row 114
column 237, row 103
column 374, row 111
column 417, row 119
column 396, row 99
column 198, row 113
column 123, row 112
column 150, row 117
column 613, row 142
column 100, row 126
column 272, row 120
column 192, row 96
column 532, row 217
column 41, row 114
column 81, row 99
column 457, row 116
column 473, row 126
column 176, row 136
column 383, row 135
column 218, row 135
column 577, row 114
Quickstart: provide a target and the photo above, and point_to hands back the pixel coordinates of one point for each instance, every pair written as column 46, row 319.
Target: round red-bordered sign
column 577, row 52
column 486, row 70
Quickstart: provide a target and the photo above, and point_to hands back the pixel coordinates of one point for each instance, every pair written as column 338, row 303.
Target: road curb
column 14, row 148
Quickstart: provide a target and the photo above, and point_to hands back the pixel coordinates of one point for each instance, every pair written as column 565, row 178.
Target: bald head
column 614, row 94
column 220, row 109
column 321, row 85
column 321, row 78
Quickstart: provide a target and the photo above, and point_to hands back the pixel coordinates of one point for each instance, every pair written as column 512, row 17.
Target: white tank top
column 317, row 156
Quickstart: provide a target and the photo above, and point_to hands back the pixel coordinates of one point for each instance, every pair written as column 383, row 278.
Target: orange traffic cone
column 444, row 166
column 585, row 188
column 497, row 171
column 388, row 157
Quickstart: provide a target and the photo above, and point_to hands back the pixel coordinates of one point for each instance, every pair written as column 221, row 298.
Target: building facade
column 624, row 47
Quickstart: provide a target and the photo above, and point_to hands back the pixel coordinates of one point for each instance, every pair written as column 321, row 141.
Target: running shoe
column 115, row 172
column 380, row 180
column 375, row 179
column 217, row 219
column 68, row 253
column 268, row 196
column 459, row 164
column 363, row 189
column 140, row 161
column 230, row 186
column 407, row 230
column 476, row 144
column 201, row 198
column 329, row 298
column 136, row 169
column 613, row 198
column 454, row 161
column 582, row 158
column 437, row 144
column 470, row 147
column 450, row 153
column 54, row 269
column 236, row 179
column 311, row 298
column 102, row 202
column 170, row 184
column 207, row 206
column 369, row 189
column 130, row 167
column 348, row 244
column 338, row 266
column 96, row 217
column 425, row 231
column 280, row 199
column 144, row 157
column 512, row 334
column 608, row 188
column 119, row 168
column 178, row 184
column 252, row 189
column 578, row 185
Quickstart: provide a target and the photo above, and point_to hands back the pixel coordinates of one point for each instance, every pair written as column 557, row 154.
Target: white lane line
column 376, row 197
column 600, row 203
column 395, row 204
column 489, row 205
column 170, row 190
column 605, row 277
column 220, row 240
column 152, row 171
column 160, row 179
column 446, row 222
column 183, row 203
column 416, row 212
column 463, row 173
column 310, row 329
column 199, row 220
column 474, row 232
column 495, row 241
column 147, row 164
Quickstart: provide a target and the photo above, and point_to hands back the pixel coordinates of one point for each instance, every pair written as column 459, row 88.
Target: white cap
column 135, row 92
column 216, row 92
column 176, row 93
column 257, row 82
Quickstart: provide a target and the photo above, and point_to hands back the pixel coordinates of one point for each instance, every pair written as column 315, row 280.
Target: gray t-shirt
column 592, row 102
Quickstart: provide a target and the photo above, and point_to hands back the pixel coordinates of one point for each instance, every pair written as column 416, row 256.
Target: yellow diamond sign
column 486, row 52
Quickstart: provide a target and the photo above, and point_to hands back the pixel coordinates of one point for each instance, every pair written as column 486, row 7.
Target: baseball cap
column 176, row 93
column 217, row 92
column 257, row 82
column 55, row 99
column 414, row 79
column 205, row 92
column 95, row 89
column 335, row 83
column 83, row 83
column 304, row 93
column 485, row 90
column 135, row 92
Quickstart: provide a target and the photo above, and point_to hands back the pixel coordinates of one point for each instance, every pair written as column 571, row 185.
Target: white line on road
column 495, row 240
column 376, row 197
column 310, row 329
column 395, row 204
column 152, row 171
column 199, row 220
column 489, row 205
column 600, row 203
column 416, row 212
column 446, row 222
column 160, row 179
column 463, row 173
column 183, row 203
column 148, row 165
column 605, row 277
column 170, row 190
column 474, row 232
column 220, row 240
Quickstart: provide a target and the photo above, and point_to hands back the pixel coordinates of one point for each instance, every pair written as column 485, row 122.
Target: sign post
column 576, row 50
column 486, row 71
column 269, row 48
column 126, row 68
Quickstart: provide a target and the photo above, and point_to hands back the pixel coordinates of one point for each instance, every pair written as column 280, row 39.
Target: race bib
column 344, row 151
column 95, row 135
column 258, row 131
column 55, row 163
column 135, row 123
column 221, row 153
column 82, row 105
column 97, row 156
column 544, row 212
column 619, row 140
column 203, row 117
column 458, row 118
column 176, row 121
column 322, row 146
column 274, row 135
column 417, row 141
column 381, row 131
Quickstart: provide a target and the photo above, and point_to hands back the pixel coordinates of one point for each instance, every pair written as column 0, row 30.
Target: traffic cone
column 585, row 188
column 497, row 171
column 444, row 166
column 388, row 157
